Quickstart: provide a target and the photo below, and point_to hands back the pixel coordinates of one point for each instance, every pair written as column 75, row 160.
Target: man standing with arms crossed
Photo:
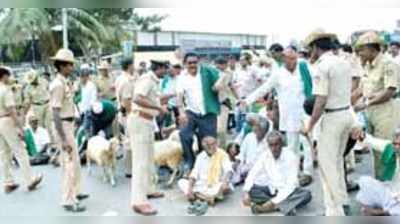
column 332, row 89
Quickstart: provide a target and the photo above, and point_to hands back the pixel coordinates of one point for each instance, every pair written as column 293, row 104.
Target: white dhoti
column 374, row 193
column 200, row 187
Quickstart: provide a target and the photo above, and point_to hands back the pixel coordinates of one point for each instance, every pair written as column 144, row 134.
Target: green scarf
column 80, row 136
column 78, row 96
column 30, row 142
column 209, row 77
column 307, row 80
column 389, row 161
column 164, row 82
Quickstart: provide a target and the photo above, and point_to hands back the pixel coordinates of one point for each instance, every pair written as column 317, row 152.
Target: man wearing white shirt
column 252, row 146
column 277, row 168
column 395, row 51
column 276, row 51
column 382, row 198
column 198, row 104
column 40, row 135
column 211, row 176
column 288, row 83
column 88, row 91
column 247, row 79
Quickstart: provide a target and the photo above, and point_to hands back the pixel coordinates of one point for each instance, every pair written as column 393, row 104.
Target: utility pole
column 65, row 27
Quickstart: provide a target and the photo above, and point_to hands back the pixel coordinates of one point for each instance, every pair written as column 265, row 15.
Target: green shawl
column 30, row 142
column 80, row 136
column 306, row 78
column 389, row 162
column 209, row 77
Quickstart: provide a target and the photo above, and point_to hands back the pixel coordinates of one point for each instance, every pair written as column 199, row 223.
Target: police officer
column 379, row 85
column 332, row 88
column 11, row 137
column 147, row 105
column 61, row 102
column 124, row 85
column 105, row 82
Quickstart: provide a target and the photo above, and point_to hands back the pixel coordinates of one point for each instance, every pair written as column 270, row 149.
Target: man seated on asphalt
column 382, row 197
column 37, row 138
column 252, row 146
column 277, row 169
column 211, row 176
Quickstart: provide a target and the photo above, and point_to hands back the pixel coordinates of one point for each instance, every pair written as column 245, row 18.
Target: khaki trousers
column 141, row 138
column 222, row 125
column 11, row 144
column 335, row 130
column 127, row 153
column 70, row 166
column 382, row 121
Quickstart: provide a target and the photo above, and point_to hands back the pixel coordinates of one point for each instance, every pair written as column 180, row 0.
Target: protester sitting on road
column 253, row 145
column 211, row 176
column 40, row 136
column 382, row 198
column 272, row 184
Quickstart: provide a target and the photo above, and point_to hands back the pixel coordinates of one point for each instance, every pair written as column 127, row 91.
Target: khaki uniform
column 124, row 85
column 357, row 72
column 61, row 96
column 225, row 79
column 141, row 138
column 105, row 87
column 380, row 75
column 18, row 99
column 38, row 98
column 333, row 80
column 10, row 143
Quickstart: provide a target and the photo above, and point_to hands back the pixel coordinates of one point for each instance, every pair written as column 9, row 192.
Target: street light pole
column 65, row 27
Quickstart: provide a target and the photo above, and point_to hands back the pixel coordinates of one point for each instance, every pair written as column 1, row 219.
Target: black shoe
column 82, row 197
column 347, row 210
column 74, row 208
column 351, row 186
column 291, row 213
column 129, row 176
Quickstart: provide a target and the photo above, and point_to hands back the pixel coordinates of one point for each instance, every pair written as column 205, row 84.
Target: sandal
column 75, row 208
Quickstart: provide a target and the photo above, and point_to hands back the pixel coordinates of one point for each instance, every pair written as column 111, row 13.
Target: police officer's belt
column 68, row 119
column 4, row 115
column 337, row 109
column 144, row 115
column 40, row 103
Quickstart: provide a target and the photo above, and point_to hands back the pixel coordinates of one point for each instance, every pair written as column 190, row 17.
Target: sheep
column 169, row 153
column 103, row 153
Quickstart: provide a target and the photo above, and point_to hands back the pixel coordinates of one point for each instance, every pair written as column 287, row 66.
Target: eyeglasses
column 192, row 62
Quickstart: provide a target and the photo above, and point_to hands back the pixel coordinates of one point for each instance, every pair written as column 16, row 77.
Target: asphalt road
column 109, row 201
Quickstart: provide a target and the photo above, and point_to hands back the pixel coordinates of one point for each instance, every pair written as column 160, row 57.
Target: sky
column 279, row 23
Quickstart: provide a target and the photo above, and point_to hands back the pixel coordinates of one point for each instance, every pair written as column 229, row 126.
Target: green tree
column 90, row 30
column 19, row 25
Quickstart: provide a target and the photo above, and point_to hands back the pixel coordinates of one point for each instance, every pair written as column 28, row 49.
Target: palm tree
column 18, row 25
column 21, row 24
